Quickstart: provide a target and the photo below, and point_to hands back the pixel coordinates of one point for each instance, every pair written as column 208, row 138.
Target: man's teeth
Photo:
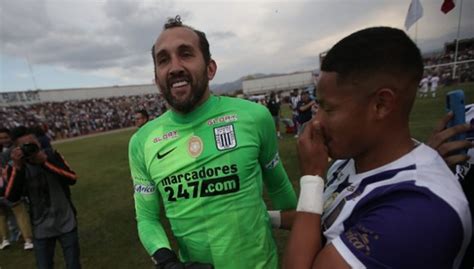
column 179, row 84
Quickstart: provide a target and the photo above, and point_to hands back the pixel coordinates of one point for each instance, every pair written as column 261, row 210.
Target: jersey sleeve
column 402, row 230
column 276, row 180
column 58, row 165
column 147, row 201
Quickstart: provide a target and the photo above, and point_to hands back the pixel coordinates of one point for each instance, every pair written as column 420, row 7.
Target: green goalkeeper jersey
column 207, row 168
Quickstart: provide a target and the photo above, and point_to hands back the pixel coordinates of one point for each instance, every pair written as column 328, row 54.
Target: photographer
column 44, row 177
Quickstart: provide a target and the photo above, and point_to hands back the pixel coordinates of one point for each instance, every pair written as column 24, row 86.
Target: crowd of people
column 67, row 119
column 464, row 70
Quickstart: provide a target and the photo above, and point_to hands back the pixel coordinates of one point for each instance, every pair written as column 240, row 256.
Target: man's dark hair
column 203, row 43
column 4, row 130
column 20, row 131
column 143, row 112
column 38, row 131
column 377, row 50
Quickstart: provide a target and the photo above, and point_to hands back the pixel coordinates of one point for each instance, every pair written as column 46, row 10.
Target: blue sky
column 73, row 43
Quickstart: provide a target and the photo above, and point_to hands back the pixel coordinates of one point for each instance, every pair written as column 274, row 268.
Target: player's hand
column 17, row 157
column 438, row 140
column 166, row 259
column 312, row 151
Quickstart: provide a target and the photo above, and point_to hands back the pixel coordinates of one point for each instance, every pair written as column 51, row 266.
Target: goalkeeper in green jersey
column 206, row 160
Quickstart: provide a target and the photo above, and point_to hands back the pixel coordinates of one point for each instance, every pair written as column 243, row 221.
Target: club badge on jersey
column 195, row 146
column 225, row 137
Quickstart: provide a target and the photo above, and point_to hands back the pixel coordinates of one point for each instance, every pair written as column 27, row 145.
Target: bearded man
column 206, row 160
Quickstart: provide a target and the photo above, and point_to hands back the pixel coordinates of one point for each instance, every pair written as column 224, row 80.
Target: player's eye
column 186, row 54
column 162, row 60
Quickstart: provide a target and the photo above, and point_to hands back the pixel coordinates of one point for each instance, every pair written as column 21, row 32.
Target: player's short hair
column 376, row 50
column 143, row 112
column 203, row 43
column 20, row 131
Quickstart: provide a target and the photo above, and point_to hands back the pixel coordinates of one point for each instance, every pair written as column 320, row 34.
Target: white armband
column 275, row 218
column 311, row 195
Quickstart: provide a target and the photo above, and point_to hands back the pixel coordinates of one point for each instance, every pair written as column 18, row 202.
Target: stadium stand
column 71, row 118
column 442, row 63
column 80, row 117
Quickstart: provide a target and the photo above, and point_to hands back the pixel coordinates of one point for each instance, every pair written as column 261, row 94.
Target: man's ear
column 211, row 69
column 384, row 102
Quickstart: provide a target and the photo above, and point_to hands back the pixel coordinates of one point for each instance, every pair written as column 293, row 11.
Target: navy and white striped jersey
column 465, row 173
column 463, row 170
column 410, row 213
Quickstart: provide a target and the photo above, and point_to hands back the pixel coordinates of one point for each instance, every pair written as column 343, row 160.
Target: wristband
column 311, row 195
column 275, row 218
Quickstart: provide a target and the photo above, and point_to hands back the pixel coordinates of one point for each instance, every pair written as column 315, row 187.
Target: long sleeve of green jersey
column 147, row 201
column 280, row 190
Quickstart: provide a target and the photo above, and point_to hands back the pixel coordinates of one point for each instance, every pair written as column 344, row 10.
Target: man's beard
column 198, row 89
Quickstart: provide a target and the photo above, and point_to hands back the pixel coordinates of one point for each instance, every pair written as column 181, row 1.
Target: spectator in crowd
column 294, row 99
column 5, row 146
column 385, row 184
column 273, row 105
column 424, row 85
column 304, row 108
column 18, row 209
column 434, row 79
column 42, row 137
column 230, row 150
column 44, row 177
column 141, row 117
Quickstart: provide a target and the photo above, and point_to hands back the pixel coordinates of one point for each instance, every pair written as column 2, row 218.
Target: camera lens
column 29, row 149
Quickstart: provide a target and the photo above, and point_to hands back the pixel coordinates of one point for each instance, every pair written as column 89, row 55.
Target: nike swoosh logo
column 164, row 154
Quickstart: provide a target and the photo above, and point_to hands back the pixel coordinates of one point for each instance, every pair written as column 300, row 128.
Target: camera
column 29, row 149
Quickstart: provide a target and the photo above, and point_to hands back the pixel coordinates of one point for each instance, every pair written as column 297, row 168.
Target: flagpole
column 416, row 33
column 416, row 27
column 457, row 41
column 31, row 72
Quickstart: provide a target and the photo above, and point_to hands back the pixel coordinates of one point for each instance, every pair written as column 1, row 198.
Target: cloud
column 49, row 33
column 112, row 38
column 23, row 76
column 222, row 35
column 23, row 21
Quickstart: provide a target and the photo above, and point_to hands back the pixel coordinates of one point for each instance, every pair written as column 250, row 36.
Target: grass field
column 103, row 194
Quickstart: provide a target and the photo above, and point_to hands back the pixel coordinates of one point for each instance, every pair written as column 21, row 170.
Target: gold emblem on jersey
column 195, row 146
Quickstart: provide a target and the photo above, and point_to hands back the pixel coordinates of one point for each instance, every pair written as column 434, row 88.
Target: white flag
column 415, row 12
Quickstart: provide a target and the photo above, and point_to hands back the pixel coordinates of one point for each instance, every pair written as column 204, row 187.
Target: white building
column 278, row 83
column 60, row 95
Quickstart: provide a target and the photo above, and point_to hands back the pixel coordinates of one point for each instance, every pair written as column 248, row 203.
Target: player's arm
column 57, row 164
column 440, row 136
column 276, row 180
column 305, row 243
column 147, row 207
column 307, row 106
